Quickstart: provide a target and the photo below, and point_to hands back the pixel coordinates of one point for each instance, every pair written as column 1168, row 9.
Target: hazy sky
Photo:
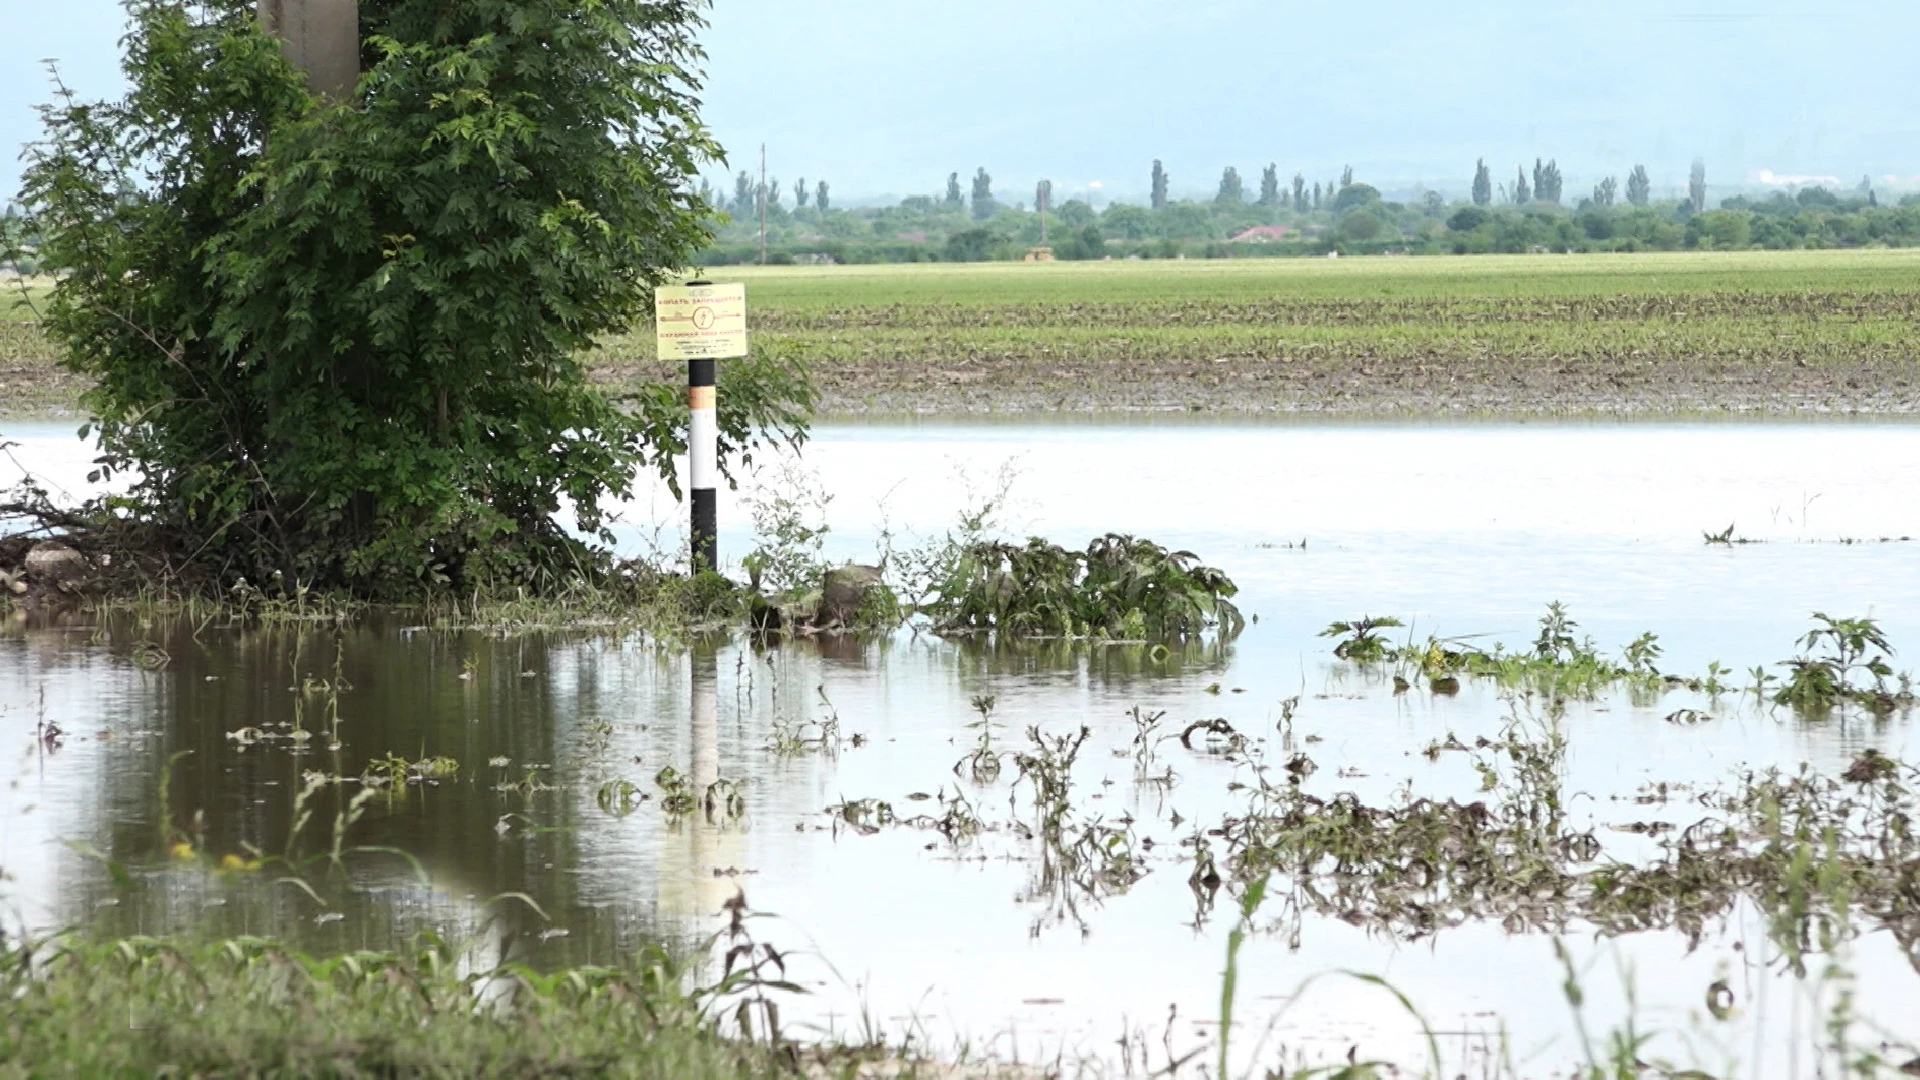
column 889, row 96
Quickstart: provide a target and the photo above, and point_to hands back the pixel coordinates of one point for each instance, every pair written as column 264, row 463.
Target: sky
column 884, row 98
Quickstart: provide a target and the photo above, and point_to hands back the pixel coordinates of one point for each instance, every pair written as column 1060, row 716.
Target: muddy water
column 176, row 733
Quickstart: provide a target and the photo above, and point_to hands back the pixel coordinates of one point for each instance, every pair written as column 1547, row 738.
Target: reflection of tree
column 533, row 703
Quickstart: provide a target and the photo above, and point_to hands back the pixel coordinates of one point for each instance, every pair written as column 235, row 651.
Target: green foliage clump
column 1120, row 587
column 1836, row 657
column 251, row 1007
column 341, row 342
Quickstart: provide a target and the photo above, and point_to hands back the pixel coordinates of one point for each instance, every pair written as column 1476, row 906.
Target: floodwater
column 1459, row 529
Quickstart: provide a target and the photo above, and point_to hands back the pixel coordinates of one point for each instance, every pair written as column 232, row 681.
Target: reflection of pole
column 706, row 725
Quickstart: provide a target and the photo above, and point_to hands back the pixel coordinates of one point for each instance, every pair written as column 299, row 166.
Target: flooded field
column 948, row 860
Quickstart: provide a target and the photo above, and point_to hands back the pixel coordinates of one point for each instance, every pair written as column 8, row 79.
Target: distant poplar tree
column 1865, row 190
column 820, row 197
column 954, row 197
column 773, row 193
column 1697, row 186
column 1299, row 193
column 1346, row 178
column 982, row 195
column 742, row 192
column 1482, row 183
column 1522, row 193
column 1230, row 189
column 1270, row 186
column 1316, row 194
column 1546, row 181
column 1639, row 187
column 800, row 193
column 1604, row 192
column 1159, row 186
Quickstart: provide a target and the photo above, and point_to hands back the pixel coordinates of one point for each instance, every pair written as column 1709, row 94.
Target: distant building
column 1260, row 234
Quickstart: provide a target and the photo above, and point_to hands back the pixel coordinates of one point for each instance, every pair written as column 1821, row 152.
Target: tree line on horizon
column 967, row 220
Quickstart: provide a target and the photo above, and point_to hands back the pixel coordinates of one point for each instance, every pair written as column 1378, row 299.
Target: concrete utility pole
column 322, row 38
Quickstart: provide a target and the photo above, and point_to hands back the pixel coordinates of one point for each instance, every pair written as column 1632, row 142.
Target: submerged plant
column 1120, row 587
column 1360, row 639
column 1835, row 657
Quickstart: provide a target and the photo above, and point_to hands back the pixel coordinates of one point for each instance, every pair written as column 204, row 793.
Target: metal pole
column 703, row 462
column 321, row 37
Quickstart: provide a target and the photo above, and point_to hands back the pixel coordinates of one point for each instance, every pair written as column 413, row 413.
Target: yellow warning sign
column 701, row 322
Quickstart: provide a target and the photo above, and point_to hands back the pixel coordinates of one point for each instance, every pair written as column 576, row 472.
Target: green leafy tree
column 800, row 193
column 1547, row 182
column 1159, row 196
column 773, row 193
column 1639, row 186
column 1604, row 192
column 1270, row 186
column 743, row 201
column 1482, row 183
column 1316, row 195
column 1299, row 193
column 1231, row 191
column 983, row 205
column 1522, row 193
column 1697, row 186
column 341, row 344
column 1360, row 225
column 1355, row 195
column 953, row 190
column 820, row 202
column 1346, row 177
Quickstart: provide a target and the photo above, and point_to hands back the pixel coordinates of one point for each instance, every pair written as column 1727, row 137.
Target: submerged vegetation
column 1120, row 587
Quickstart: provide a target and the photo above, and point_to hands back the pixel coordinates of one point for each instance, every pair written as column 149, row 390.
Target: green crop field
column 1642, row 334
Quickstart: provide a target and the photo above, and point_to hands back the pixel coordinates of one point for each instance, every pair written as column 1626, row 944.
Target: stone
column 52, row 565
column 844, row 590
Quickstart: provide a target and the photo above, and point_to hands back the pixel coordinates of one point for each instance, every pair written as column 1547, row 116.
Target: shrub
column 341, row 342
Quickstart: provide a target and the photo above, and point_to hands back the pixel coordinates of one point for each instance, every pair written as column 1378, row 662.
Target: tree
column 1270, row 186
column 1159, row 198
column 743, row 194
column 1522, row 194
column 1639, row 187
column 1355, row 195
column 1604, row 191
column 820, row 197
column 1299, row 193
column 773, row 193
column 1865, row 190
column 982, row 195
column 1231, row 193
column 953, row 190
column 342, row 345
column 1360, row 225
column 800, row 193
column 1482, row 183
column 1697, row 186
column 1316, row 195
column 1346, row 177
column 1546, row 181
column 971, row 245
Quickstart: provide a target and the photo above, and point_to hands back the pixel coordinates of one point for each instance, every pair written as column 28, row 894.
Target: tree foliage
column 1159, row 194
column 1232, row 191
column 341, row 342
column 1639, row 186
column 1697, row 185
column 1482, row 183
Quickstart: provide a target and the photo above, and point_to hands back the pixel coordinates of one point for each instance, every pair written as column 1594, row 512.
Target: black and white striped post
column 703, row 462
column 702, row 323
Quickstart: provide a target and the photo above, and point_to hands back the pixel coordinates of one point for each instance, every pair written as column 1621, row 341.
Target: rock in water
column 52, row 565
column 843, row 592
